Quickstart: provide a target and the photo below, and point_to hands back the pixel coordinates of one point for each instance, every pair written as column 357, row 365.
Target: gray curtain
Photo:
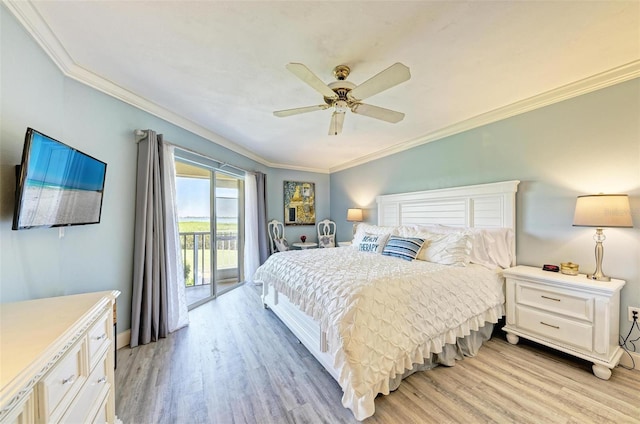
column 263, row 242
column 149, row 297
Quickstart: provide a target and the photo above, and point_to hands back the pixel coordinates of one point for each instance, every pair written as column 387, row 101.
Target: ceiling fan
column 342, row 94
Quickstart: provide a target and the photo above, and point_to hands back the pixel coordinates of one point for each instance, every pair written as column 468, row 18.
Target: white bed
column 371, row 319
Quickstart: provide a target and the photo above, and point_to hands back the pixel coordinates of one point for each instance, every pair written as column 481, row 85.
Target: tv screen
column 57, row 185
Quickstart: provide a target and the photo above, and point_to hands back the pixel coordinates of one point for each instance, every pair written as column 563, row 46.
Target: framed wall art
column 299, row 203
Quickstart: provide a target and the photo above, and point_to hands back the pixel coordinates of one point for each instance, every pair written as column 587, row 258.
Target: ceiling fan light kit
column 343, row 95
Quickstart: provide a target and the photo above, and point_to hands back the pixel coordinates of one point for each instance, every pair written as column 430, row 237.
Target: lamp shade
column 603, row 210
column 354, row 215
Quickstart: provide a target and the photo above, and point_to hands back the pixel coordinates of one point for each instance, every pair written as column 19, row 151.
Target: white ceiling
column 218, row 68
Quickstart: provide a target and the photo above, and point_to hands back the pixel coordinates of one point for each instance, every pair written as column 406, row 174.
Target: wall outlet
column 633, row 309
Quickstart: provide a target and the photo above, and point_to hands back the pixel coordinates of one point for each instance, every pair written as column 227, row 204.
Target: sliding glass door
column 210, row 218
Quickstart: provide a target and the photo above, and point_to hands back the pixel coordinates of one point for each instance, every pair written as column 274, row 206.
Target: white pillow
column 447, row 249
column 281, row 244
column 364, row 229
column 327, row 241
column 373, row 243
column 492, row 247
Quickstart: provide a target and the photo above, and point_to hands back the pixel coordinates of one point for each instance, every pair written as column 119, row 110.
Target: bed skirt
column 467, row 346
column 309, row 334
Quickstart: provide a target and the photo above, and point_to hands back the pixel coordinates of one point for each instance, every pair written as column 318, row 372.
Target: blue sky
column 193, row 198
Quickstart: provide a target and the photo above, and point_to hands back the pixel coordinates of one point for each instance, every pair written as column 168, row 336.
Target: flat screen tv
column 57, row 185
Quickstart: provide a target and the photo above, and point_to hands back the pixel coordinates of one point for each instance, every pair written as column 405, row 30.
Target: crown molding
column 33, row 22
column 596, row 82
column 299, row 168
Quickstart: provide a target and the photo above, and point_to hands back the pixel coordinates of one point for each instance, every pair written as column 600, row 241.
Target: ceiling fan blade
column 378, row 112
column 298, row 110
column 302, row 72
column 337, row 119
column 393, row 75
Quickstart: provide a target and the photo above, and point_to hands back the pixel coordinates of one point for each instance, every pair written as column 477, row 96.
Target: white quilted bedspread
column 383, row 314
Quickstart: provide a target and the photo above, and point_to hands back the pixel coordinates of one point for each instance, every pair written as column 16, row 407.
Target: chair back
column 326, row 233
column 275, row 229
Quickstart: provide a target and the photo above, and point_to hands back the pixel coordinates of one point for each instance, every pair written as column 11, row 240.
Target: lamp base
column 598, row 277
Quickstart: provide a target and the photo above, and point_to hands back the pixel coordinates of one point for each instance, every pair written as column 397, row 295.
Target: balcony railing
column 196, row 255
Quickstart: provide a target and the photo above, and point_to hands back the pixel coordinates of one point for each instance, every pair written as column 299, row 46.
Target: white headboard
column 480, row 206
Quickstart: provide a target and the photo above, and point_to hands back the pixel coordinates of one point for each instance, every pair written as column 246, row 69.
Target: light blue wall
column 589, row 144
column 584, row 145
column 33, row 92
column 275, row 208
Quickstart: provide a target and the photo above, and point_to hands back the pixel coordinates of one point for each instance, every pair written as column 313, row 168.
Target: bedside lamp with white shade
column 354, row 215
column 600, row 211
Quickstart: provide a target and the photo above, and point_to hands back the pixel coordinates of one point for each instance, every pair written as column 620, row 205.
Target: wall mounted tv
column 57, row 185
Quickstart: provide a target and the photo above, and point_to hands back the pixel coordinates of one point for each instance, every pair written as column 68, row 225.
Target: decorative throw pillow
column 281, row 244
column 448, row 249
column 372, row 242
column 327, row 241
column 368, row 229
column 406, row 248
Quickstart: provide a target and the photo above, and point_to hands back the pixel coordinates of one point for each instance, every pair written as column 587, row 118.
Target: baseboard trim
column 625, row 360
column 123, row 339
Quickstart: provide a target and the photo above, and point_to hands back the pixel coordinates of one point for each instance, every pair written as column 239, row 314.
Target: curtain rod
column 141, row 133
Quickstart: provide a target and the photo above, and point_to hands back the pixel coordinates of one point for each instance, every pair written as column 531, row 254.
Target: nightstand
column 572, row 314
column 344, row 243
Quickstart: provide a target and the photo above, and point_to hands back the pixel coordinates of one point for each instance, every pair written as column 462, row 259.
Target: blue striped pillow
column 406, row 248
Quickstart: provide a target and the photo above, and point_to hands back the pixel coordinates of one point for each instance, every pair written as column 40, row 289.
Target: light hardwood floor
column 237, row 363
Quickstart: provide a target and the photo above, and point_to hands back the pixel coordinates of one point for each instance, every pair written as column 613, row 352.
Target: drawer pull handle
column 549, row 325
column 102, row 337
column 550, row 298
column 69, row 380
column 102, row 380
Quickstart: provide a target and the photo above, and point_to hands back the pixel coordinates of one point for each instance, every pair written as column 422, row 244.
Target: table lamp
column 602, row 210
column 354, row 215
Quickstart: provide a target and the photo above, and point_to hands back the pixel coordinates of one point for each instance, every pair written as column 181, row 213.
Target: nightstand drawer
column 569, row 304
column 554, row 327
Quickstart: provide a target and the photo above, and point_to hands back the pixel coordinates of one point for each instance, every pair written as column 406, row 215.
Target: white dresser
column 57, row 360
column 570, row 313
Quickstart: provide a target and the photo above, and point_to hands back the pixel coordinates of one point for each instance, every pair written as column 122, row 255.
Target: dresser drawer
column 45, row 360
column 565, row 303
column 22, row 414
column 103, row 414
column 99, row 339
column 554, row 327
column 57, row 389
column 92, row 394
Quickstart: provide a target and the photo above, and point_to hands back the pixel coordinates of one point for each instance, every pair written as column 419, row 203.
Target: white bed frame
column 479, row 206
